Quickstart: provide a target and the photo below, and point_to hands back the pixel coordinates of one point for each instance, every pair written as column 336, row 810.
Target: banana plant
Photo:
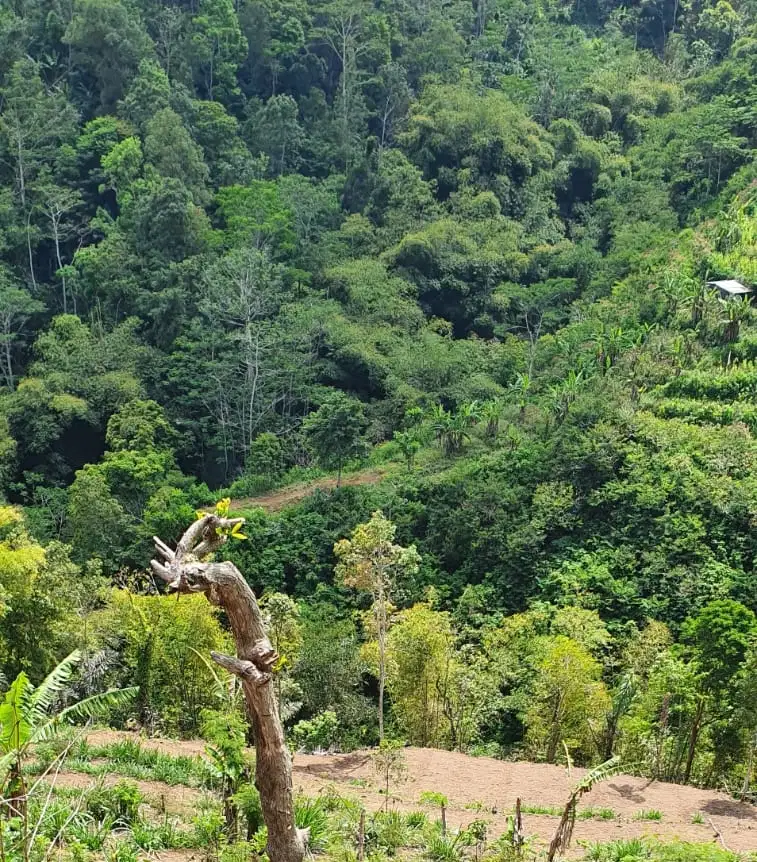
column 27, row 718
column 491, row 413
column 564, row 831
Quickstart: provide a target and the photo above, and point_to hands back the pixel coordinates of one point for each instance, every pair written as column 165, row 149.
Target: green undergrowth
column 124, row 757
column 120, row 823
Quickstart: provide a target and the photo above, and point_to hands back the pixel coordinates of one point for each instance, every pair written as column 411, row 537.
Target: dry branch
column 187, row 570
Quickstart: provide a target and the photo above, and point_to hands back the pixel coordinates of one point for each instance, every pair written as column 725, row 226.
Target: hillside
column 482, row 788
column 408, row 307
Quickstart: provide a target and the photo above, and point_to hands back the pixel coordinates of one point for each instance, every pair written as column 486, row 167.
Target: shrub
column 266, row 456
column 247, row 800
column 209, row 832
column 310, row 814
column 317, row 733
column 120, row 802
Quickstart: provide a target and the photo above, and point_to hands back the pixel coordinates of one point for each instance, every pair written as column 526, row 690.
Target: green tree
column 718, row 639
column 275, row 129
column 440, row 693
column 329, row 671
column 218, row 46
column 16, row 307
column 39, row 586
column 389, row 764
column 158, row 642
column 35, row 122
column 282, row 619
column 335, row 431
column 170, row 149
column 108, row 43
column 148, row 94
column 370, row 561
column 419, row 646
column 568, row 701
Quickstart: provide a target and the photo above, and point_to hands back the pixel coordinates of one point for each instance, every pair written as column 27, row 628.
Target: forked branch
column 188, row 569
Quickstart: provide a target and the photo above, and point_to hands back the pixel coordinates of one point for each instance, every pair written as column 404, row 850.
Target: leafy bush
column 318, row 733
column 209, row 832
column 250, row 486
column 310, row 814
column 121, row 802
column 388, row 831
column 247, row 800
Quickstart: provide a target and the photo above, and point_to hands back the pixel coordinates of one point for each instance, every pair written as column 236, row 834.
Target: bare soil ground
column 484, row 788
column 274, row 501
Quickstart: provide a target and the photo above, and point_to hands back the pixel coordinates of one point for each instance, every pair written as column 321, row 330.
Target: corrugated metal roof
column 730, row 285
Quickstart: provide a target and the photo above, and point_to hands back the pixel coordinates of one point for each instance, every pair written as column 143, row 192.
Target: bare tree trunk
column 749, row 768
column 381, row 628
column 8, row 359
column 29, row 249
column 693, row 737
column 55, row 220
column 361, row 837
column 224, row 585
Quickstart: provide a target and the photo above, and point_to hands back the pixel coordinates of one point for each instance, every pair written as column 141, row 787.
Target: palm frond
column 91, row 707
column 44, row 696
column 220, row 689
column 599, row 773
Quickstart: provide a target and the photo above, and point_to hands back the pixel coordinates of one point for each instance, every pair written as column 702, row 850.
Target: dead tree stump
column 188, row 570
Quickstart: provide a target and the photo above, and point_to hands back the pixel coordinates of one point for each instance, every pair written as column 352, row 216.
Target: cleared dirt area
column 483, row 788
column 274, row 501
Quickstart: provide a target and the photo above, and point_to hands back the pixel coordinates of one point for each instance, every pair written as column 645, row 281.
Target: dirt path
column 274, row 501
column 484, row 788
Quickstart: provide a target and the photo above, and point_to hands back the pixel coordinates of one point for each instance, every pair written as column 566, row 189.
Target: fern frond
column 43, row 697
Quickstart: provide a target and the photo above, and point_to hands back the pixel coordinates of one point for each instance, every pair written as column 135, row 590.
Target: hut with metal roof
column 730, row 288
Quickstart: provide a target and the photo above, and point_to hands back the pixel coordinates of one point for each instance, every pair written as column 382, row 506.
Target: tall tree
column 568, row 700
column 335, row 431
column 16, row 307
column 718, row 639
column 371, row 561
column 107, row 42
